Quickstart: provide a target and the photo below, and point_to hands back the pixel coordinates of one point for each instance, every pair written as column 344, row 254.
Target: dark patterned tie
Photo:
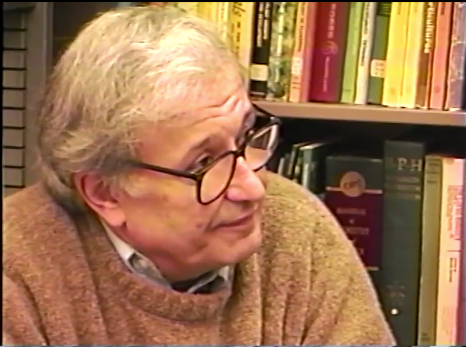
column 208, row 288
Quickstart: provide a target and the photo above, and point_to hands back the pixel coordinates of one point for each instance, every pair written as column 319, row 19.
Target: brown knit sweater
column 306, row 286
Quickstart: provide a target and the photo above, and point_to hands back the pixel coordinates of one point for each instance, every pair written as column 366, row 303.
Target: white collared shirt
column 141, row 265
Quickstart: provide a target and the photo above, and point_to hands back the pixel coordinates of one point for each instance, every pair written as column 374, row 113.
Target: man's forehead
column 189, row 132
column 234, row 107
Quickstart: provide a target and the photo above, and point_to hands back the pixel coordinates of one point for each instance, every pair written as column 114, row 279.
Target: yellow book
column 298, row 52
column 223, row 19
column 203, row 9
column 414, row 43
column 396, row 49
column 208, row 11
column 241, row 26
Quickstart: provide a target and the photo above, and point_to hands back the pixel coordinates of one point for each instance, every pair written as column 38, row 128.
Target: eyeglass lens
column 257, row 152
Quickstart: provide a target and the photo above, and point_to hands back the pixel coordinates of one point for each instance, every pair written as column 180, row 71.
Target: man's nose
column 246, row 184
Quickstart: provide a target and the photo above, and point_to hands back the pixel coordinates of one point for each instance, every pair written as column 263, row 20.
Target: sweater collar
column 113, row 275
column 130, row 257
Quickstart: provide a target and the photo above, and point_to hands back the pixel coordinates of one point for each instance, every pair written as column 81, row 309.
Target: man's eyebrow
column 200, row 144
column 196, row 149
column 248, row 121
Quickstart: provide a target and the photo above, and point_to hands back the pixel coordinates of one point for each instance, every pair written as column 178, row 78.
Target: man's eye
column 202, row 162
column 205, row 161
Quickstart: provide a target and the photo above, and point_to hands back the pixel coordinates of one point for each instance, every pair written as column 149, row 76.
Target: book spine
column 396, row 50
column 284, row 164
column 456, row 75
column 242, row 18
column 298, row 53
column 281, row 51
column 416, row 25
column 367, row 39
column 354, row 187
column 212, row 14
column 293, row 160
column 450, row 250
column 462, row 306
column 303, row 52
column 402, row 218
column 441, row 50
column 314, row 168
column 348, row 90
column 379, row 53
column 330, row 41
column 427, row 57
column 430, row 250
column 308, row 54
column 223, row 19
column 298, row 170
column 261, row 49
column 204, row 10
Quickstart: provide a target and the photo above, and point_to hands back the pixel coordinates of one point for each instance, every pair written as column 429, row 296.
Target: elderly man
column 154, row 221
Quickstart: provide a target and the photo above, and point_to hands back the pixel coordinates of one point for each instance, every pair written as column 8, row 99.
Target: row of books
column 401, row 202
column 396, row 54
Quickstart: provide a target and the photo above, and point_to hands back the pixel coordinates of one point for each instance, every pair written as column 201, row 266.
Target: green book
column 352, row 52
column 402, row 236
column 379, row 53
column 431, row 211
column 313, row 165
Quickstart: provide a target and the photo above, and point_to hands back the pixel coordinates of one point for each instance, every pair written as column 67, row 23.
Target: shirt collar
column 124, row 250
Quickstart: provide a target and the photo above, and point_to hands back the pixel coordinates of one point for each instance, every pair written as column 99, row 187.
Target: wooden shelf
column 363, row 113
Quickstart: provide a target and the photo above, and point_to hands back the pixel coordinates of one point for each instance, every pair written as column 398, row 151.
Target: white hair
column 127, row 67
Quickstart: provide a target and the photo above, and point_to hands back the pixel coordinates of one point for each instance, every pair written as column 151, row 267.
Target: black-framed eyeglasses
column 212, row 180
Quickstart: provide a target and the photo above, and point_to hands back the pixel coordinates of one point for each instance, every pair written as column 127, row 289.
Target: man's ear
column 100, row 197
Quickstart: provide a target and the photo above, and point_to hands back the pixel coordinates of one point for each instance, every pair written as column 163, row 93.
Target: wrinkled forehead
column 188, row 97
column 224, row 98
column 214, row 121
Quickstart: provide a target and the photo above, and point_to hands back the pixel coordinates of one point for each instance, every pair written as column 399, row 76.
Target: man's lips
column 243, row 220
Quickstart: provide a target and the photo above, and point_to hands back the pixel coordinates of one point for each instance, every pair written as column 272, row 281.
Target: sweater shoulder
column 22, row 215
column 31, row 221
column 291, row 207
column 284, row 196
column 297, row 221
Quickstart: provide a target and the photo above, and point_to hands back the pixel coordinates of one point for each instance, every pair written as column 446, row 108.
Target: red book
column 354, row 187
column 329, row 51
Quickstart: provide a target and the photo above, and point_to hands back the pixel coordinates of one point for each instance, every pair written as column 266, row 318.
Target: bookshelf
column 363, row 113
column 375, row 75
column 313, row 121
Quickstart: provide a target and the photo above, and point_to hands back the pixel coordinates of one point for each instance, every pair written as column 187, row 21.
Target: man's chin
column 244, row 248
